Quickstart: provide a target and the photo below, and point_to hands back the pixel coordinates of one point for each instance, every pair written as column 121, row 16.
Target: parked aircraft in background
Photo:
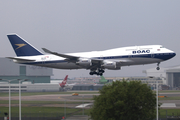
column 103, row 80
column 95, row 61
column 63, row 83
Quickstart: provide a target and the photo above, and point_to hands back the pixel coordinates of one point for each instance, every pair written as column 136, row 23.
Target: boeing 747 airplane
column 95, row 61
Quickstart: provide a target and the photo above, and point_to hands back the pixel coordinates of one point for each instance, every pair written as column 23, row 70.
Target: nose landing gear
column 158, row 68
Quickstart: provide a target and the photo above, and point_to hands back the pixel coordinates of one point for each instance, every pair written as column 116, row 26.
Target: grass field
column 60, row 111
column 168, row 91
column 42, row 111
column 170, row 112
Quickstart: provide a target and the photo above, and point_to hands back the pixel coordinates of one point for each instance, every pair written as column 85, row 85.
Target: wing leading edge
column 69, row 57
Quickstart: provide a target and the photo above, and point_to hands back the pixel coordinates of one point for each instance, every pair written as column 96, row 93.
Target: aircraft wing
column 21, row 59
column 69, row 57
column 96, row 63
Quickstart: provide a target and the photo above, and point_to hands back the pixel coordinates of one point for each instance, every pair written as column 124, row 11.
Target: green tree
column 124, row 101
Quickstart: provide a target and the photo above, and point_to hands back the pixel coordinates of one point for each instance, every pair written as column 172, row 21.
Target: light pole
column 65, row 109
column 9, row 82
column 20, row 98
column 83, row 104
column 156, row 95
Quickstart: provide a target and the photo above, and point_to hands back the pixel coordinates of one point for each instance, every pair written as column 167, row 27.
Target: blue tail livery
column 21, row 47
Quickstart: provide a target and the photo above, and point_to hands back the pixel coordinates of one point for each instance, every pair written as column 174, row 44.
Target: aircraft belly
column 141, row 61
column 68, row 66
column 61, row 65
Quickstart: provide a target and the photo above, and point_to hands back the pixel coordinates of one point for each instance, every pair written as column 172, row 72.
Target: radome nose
column 174, row 54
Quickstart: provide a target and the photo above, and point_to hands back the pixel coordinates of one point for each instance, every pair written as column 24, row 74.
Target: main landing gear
column 97, row 72
column 158, row 68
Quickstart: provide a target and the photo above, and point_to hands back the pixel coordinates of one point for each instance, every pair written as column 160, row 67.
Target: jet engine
column 111, row 65
column 84, row 62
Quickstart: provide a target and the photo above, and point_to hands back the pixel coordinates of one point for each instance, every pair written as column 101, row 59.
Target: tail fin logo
column 20, row 45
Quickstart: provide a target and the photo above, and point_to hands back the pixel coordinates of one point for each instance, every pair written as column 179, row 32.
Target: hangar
column 10, row 70
column 169, row 75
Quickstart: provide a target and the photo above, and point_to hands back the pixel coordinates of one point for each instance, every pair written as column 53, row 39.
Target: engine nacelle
column 84, row 62
column 111, row 65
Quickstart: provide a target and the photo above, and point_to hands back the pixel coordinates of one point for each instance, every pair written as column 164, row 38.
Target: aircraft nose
column 174, row 54
column 169, row 56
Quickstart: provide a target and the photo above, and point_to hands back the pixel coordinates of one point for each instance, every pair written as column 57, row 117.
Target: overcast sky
column 68, row 26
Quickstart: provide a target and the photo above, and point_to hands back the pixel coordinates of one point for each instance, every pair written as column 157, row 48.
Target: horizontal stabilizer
column 21, row 59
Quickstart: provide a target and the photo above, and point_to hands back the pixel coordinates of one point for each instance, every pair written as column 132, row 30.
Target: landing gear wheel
column 97, row 72
column 158, row 68
column 91, row 73
column 101, row 70
column 100, row 74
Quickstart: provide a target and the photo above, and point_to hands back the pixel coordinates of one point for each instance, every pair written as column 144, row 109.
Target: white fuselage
column 126, row 56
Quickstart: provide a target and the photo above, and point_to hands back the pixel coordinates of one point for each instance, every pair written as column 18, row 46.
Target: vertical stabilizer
column 63, row 83
column 103, row 80
column 21, row 47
